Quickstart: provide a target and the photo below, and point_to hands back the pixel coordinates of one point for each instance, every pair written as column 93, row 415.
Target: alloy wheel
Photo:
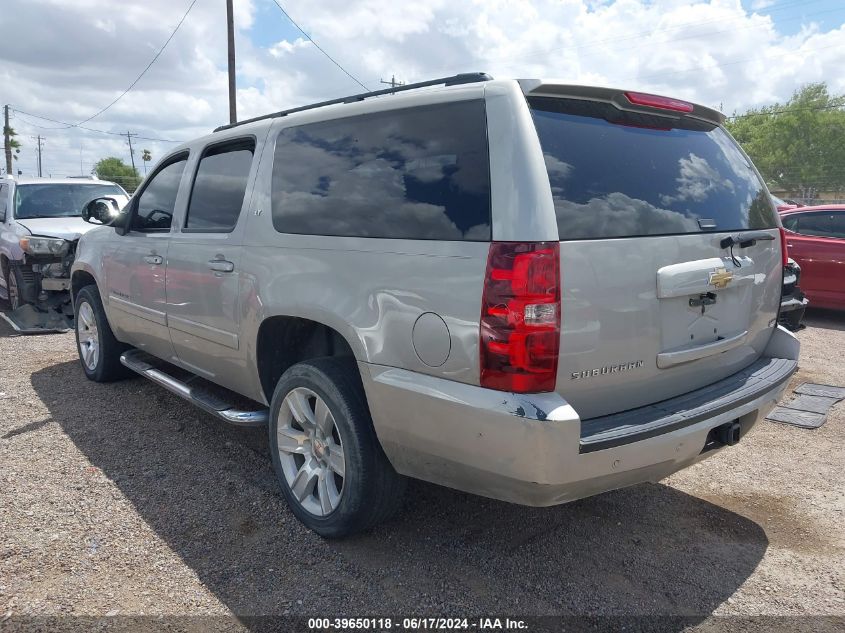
column 89, row 340
column 311, row 451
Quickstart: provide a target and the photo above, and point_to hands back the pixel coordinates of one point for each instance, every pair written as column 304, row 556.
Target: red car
column 815, row 238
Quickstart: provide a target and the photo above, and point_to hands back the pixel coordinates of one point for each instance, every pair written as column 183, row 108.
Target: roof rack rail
column 454, row 80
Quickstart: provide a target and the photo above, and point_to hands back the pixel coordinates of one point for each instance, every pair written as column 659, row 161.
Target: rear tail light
column 520, row 317
column 661, row 103
column 784, row 252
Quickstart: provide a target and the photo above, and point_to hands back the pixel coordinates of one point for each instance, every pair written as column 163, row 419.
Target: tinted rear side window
column 219, row 187
column 817, row 224
column 419, row 173
column 616, row 174
column 837, row 225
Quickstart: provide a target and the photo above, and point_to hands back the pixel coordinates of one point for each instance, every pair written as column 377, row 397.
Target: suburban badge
column 607, row 369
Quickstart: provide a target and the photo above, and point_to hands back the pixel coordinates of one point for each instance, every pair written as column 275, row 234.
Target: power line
column 143, row 72
column 319, row 48
column 392, row 83
column 82, row 127
column 129, row 136
column 39, row 149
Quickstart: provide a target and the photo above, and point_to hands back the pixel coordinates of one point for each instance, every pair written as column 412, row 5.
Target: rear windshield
column 58, row 200
column 617, row 174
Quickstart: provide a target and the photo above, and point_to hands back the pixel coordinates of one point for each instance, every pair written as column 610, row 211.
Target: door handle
column 221, row 265
column 153, row 259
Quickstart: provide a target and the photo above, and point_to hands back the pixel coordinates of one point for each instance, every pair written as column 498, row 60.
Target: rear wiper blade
column 745, row 239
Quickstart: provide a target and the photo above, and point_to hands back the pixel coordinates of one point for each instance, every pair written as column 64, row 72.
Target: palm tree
column 13, row 143
column 146, row 157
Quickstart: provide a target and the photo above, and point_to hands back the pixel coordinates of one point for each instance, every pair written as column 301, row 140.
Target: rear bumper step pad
column 708, row 402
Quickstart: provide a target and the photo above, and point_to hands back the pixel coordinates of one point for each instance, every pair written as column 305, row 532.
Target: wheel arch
column 78, row 280
column 284, row 340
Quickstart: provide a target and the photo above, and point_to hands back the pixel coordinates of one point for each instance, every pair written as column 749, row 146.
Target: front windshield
column 54, row 200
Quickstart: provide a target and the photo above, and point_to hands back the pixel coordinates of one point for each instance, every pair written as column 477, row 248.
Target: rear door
column 204, row 263
column 653, row 305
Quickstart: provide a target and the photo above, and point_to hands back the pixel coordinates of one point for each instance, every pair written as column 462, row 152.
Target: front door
column 135, row 264
column 203, row 265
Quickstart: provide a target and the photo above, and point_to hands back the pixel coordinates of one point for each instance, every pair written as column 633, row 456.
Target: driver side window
column 154, row 211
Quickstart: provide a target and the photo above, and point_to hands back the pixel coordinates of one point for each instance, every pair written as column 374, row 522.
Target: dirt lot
column 121, row 499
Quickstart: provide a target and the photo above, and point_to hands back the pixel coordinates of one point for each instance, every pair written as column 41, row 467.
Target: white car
column 40, row 224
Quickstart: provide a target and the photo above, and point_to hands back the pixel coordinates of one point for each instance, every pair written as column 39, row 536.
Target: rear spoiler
column 615, row 96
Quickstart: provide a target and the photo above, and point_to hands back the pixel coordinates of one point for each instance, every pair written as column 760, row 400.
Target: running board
column 206, row 395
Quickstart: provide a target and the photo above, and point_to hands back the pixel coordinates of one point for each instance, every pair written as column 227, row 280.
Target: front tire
column 17, row 290
column 99, row 350
column 329, row 463
column 12, row 292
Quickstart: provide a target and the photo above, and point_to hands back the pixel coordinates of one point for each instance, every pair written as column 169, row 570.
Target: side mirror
column 101, row 211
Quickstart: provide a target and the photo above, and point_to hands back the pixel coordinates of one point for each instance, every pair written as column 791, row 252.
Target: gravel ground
column 123, row 499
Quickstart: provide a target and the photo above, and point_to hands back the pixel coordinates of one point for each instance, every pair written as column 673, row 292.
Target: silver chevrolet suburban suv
column 527, row 290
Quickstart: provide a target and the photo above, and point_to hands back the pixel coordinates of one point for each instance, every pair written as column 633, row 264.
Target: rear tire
column 99, row 351
column 329, row 463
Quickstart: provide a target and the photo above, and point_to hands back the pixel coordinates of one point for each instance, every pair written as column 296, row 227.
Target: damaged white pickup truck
column 40, row 225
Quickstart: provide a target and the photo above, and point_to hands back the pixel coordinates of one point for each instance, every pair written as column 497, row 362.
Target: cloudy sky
column 68, row 60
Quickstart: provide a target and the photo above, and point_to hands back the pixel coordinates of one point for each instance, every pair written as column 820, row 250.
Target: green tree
column 798, row 145
column 116, row 170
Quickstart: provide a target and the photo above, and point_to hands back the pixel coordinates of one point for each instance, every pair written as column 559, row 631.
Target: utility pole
column 7, row 140
column 38, row 148
column 129, row 136
column 230, row 27
column 392, row 83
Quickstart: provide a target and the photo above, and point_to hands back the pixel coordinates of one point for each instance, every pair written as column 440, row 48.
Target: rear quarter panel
column 372, row 291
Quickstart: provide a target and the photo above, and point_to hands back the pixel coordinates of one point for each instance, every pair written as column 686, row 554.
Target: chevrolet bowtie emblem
column 720, row 278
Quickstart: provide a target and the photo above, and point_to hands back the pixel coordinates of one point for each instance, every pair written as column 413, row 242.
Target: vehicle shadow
column 209, row 491
column 822, row 318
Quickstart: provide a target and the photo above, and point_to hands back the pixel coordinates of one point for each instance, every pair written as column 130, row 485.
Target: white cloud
column 67, row 60
column 280, row 49
column 758, row 5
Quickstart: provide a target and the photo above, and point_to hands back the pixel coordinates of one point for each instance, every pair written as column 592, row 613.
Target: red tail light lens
column 784, row 252
column 661, row 103
column 520, row 317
